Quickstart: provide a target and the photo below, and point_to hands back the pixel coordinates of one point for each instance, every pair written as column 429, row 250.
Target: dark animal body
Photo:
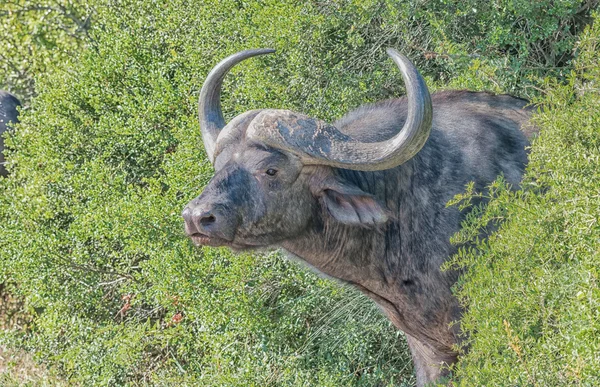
column 8, row 114
column 286, row 180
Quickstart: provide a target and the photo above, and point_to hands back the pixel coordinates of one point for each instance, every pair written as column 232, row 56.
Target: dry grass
column 17, row 368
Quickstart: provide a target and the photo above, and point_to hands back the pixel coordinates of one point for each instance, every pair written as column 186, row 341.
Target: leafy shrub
column 37, row 35
column 110, row 152
column 541, row 324
column 508, row 45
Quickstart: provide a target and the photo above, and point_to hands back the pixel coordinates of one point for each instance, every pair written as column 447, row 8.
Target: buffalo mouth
column 200, row 239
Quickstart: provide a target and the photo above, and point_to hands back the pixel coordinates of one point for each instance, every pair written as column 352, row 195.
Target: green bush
column 541, row 324
column 110, row 151
column 509, row 46
column 36, row 35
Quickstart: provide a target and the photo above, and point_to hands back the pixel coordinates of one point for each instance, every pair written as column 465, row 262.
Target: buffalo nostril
column 207, row 220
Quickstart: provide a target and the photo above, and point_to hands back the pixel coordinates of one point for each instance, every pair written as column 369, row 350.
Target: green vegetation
column 35, row 36
column 541, row 324
column 109, row 152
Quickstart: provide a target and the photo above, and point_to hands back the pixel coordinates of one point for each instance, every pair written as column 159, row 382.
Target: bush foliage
column 36, row 35
column 541, row 324
column 109, row 152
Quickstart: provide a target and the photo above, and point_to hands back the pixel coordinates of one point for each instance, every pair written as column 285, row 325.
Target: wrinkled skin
column 8, row 114
column 385, row 232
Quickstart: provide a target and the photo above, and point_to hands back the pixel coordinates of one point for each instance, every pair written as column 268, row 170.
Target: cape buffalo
column 8, row 113
column 363, row 199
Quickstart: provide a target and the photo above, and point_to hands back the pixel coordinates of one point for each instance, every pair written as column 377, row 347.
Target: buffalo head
column 274, row 169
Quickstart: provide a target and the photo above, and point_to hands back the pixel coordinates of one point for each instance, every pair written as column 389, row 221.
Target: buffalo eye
column 271, row 172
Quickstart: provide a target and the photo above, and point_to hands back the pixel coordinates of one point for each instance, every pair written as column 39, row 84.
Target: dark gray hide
column 386, row 232
column 8, row 113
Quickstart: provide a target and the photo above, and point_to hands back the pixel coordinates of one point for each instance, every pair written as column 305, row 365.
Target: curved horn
column 317, row 142
column 209, row 103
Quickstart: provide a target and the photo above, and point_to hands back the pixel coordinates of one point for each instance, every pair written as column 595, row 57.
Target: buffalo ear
column 350, row 205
